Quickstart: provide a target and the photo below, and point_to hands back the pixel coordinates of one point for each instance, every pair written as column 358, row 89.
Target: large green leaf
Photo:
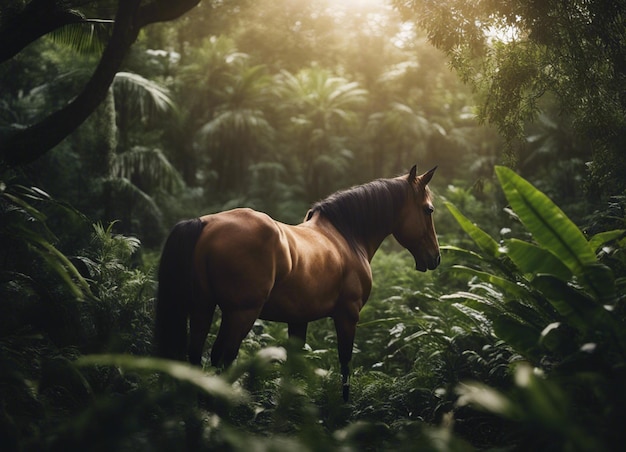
column 577, row 308
column 479, row 318
column 463, row 296
column 32, row 230
column 484, row 241
column 532, row 259
column 87, row 37
column 479, row 395
column 529, row 313
column 602, row 238
column 484, row 306
column 600, row 279
column 211, row 384
column 550, row 227
column 557, row 338
column 522, row 337
column 468, row 254
column 505, row 285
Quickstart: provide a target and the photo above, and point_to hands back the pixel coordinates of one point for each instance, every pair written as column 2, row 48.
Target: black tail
column 176, row 283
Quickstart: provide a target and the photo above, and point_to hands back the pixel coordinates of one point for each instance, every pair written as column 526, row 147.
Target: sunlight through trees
column 119, row 118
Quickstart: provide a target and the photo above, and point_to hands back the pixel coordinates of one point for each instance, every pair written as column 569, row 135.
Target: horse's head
column 415, row 229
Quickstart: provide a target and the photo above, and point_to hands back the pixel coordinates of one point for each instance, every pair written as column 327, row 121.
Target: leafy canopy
column 515, row 52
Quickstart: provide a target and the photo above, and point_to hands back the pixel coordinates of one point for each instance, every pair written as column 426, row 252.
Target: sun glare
column 361, row 3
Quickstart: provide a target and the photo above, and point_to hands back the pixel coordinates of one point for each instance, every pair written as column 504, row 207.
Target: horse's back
column 239, row 228
column 246, row 260
column 238, row 255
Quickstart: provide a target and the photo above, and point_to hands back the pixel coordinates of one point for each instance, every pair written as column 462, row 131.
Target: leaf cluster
column 513, row 53
column 555, row 302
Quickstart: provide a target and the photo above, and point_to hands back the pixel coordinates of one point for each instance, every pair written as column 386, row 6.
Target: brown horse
column 252, row 266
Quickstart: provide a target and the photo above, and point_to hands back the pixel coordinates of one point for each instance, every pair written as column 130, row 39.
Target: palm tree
column 322, row 111
column 398, row 131
column 205, row 72
column 239, row 131
column 136, row 171
column 137, row 100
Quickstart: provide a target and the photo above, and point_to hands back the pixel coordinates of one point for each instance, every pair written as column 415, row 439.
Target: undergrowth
column 487, row 354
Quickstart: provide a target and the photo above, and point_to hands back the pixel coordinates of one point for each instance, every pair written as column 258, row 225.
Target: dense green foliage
column 536, row 340
column 560, row 306
column 520, row 55
column 248, row 122
column 516, row 342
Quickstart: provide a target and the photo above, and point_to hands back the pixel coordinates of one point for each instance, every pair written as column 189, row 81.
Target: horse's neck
column 375, row 238
column 371, row 245
column 366, row 246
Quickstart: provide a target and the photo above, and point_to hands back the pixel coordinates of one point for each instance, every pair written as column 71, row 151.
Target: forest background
column 516, row 341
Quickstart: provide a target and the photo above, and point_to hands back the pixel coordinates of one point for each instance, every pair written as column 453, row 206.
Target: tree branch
column 25, row 146
column 31, row 143
column 36, row 19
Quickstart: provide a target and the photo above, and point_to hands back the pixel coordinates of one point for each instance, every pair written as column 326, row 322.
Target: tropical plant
column 514, row 53
column 61, row 296
column 202, row 75
column 137, row 99
column 24, row 230
column 560, row 307
column 399, row 131
column 272, row 191
column 133, row 175
column 322, row 110
column 21, row 24
column 42, row 290
column 147, row 168
column 239, row 131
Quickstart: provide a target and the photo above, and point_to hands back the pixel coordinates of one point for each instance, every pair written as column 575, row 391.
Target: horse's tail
column 175, row 292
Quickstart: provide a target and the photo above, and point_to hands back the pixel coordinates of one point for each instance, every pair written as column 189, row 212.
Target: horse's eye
column 429, row 209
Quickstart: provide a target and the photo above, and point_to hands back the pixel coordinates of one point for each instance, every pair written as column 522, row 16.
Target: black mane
column 364, row 210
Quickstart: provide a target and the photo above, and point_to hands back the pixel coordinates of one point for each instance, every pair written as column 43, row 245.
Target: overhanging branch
column 25, row 146
column 31, row 143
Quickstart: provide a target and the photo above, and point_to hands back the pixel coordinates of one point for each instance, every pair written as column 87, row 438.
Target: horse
column 253, row 266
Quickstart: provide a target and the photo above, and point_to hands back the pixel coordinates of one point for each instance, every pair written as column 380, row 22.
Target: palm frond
column 88, row 37
column 148, row 95
column 124, row 191
column 150, row 164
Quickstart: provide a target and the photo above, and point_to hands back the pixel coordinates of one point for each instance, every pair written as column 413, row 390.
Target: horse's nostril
column 434, row 262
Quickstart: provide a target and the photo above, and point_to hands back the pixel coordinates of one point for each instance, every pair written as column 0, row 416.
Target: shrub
column 554, row 301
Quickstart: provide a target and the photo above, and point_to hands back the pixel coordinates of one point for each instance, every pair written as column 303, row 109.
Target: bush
column 556, row 303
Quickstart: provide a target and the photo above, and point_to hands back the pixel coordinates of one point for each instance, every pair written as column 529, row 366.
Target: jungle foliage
column 530, row 354
column 516, row 342
column 516, row 54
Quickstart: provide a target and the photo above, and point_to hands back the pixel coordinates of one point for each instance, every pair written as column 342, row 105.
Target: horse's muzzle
column 435, row 262
column 431, row 264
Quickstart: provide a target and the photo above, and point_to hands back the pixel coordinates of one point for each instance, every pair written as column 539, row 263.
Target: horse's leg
column 234, row 328
column 298, row 331
column 346, row 329
column 200, row 319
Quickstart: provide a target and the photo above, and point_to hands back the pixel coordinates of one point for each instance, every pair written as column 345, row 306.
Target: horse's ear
column 413, row 174
column 427, row 176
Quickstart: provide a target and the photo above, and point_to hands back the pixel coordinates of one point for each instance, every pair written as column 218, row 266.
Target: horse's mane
column 363, row 210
